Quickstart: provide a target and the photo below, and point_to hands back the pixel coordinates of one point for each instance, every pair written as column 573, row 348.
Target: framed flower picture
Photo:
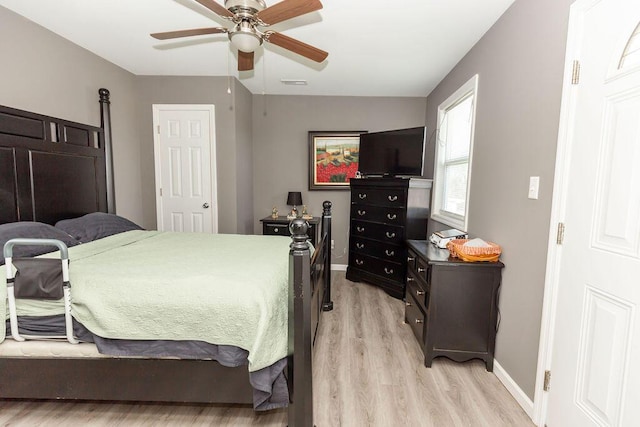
column 333, row 159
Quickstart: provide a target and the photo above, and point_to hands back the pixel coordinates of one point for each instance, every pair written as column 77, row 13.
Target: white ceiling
column 376, row 47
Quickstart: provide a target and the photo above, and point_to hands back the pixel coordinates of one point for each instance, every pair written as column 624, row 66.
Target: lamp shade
column 294, row 198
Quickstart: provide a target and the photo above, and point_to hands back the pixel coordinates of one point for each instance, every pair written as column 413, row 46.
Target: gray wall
column 233, row 113
column 46, row 74
column 520, row 64
column 281, row 148
column 244, row 158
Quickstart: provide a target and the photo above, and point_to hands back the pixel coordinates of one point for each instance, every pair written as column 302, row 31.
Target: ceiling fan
column 247, row 16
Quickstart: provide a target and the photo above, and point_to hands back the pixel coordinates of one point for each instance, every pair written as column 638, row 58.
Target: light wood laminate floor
column 368, row 371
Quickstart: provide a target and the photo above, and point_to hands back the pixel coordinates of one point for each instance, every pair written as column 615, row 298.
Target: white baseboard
column 339, row 267
column 513, row 388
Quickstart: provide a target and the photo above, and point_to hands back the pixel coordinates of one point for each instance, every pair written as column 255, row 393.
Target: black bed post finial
column 327, row 304
column 105, row 124
column 300, row 340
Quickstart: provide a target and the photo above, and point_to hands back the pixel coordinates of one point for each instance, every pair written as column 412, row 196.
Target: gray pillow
column 32, row 230
column 95, row 226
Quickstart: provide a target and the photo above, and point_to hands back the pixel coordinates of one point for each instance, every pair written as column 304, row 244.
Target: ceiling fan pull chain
column 264, row 82
column 229, row 71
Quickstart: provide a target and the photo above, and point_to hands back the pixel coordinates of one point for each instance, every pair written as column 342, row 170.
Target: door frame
column 558, row 206
column 210, row 108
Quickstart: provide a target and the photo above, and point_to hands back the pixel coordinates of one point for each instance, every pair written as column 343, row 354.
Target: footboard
column 310, row 292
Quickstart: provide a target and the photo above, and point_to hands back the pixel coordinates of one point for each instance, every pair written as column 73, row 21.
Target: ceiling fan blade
column 215, row 7
column 245, row 61
column 296, row 46
column 187, row 33
column 288, row 9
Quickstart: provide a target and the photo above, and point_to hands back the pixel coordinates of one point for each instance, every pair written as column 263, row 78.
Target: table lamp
column 294, row 199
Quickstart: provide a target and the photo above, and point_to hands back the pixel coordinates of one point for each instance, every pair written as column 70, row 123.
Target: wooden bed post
column 327, row 304
column 300, row 334
column 105, row 124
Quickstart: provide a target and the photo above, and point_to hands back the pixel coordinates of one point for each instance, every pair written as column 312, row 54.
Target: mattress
column 146, row 285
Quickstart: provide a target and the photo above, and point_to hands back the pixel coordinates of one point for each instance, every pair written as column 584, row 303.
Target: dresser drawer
column 422, row 269
column 411, row 260
column 418, row 290
column 389, row 270
column 385, row 251
column 391, row 197
column 382, row 232
column 387, row 215
column 415, row 318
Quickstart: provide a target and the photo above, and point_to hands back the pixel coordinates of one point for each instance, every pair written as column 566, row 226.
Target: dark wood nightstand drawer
column 381, row 232
column 386, row 215
column 280, row 227
column 392, row 197
column 276, row 229
column 388, row 252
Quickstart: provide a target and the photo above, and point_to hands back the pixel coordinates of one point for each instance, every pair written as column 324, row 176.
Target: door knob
column 205, row 205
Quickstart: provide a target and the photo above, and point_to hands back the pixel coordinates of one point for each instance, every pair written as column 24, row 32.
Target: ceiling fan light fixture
column 245, row 38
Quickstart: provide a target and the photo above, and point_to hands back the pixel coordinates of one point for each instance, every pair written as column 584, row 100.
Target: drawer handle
column 408, row 304
column 419, row 293
column 360, row 245
column 392, row 198
column 390, row 235
column 421, row 270
column 362, row 196
column 410, row 259
column 276, row 229
column 410, row 279
column 359, row 262
column 418, row 321
column 388, row 270
column 392, row 216
column 360, row 229
column 362, row 213
column 389, row 253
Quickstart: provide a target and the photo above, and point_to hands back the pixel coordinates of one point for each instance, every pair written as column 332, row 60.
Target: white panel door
column 595, row 362
column 185, row 168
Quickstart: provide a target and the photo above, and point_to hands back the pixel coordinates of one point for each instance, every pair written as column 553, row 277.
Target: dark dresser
column 452, row 305
column 385, row 212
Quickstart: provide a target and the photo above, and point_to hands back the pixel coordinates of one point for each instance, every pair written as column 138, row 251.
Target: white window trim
column 438, row 213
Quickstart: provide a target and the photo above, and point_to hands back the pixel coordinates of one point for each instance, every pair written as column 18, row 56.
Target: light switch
column 534, row 184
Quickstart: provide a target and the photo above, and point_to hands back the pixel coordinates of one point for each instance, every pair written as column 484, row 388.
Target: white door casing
column 185, row 168
column 590, row 337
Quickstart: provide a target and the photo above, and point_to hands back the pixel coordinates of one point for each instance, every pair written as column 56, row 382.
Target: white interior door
column 184, row 145
column 595, row 369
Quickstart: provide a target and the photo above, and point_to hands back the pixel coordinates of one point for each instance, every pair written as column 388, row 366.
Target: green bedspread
column 148, row 285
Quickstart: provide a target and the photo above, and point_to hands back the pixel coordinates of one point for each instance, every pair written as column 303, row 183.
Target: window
column 454, row 148
column 631, row 55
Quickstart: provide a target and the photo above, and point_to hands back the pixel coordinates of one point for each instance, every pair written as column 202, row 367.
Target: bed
column 52, row 171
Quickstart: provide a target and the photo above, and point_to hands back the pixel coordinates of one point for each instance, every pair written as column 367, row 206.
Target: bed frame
column 52, row 169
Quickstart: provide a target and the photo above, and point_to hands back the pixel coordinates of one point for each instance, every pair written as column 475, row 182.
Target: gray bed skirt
column 269, row 384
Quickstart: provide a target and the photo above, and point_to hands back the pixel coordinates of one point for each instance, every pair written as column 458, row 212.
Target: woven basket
column 472, row 253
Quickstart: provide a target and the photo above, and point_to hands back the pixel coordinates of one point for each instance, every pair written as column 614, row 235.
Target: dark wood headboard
column 52, row 169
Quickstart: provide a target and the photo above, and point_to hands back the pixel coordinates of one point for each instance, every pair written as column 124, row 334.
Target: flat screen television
column 392, row 153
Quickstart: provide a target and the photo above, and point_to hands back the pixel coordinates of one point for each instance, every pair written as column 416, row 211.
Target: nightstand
column 280, row 227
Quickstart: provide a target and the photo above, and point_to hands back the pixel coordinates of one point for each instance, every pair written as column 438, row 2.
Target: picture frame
column 333, row 159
